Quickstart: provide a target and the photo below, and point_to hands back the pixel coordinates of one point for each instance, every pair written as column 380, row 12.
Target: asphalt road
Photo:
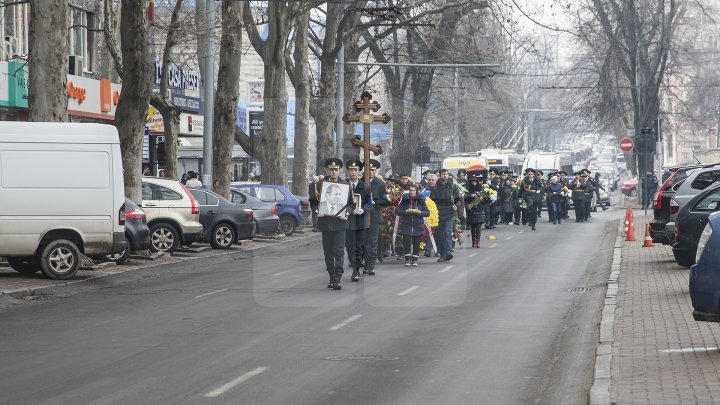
column 503, row 324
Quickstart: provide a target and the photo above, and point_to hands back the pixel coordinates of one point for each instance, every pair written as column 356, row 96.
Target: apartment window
column 80, row 35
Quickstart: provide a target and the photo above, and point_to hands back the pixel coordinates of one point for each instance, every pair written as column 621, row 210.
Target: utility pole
column 209, row 95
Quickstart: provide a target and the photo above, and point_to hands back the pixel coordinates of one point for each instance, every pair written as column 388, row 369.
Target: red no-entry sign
column 627, row 144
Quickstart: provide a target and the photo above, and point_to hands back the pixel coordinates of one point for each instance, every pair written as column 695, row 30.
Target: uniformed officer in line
column 530, row 189
column 589, row 191
column 333, row 227
column 358, row 218
column 539, row 198
column 491, row 208
column 578, row 186
column 565, row 206
column 379, row 195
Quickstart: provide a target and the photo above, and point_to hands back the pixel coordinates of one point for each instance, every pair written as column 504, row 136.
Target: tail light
column 121, row 215
column 194, row 207
column 273, row 210
column 674, row 207
column 658, row 196
column 135, row 214
column 677, row 232
column 249, row 212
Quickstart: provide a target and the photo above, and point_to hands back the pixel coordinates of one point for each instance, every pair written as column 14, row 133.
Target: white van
column 61, row 194
column 548, row 162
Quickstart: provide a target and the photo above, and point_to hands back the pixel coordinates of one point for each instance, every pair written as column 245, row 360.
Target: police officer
column 491, row 208
column 333, row 227
column 565, row 206
column 379, row 195
column 530, row 189
column 358, row 218
column 578, row 186
column 589, row 190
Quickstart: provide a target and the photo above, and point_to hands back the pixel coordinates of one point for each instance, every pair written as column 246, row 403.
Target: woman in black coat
column 475, row 215
column 411, row 210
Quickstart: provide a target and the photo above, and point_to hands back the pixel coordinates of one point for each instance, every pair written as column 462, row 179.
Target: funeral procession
column 359, row 202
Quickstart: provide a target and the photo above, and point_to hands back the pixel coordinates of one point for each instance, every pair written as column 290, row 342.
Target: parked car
column 629, row 187
column 691, row 221
column 698, row 180
column 172, row 214
column 704, row 282
column 61, row 193
column 264, row 213
column 137, row 233
column 224, row 223
column 661, row 206
column 289, row 207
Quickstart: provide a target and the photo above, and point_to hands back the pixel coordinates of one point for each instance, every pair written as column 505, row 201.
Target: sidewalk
column 660, row 354
column 19, row 285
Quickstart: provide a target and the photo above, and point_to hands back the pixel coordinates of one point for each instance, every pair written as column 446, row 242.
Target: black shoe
column 533, row 226
column 407, row 260
column 428, row 254
column 371, row 272
column 577, row 220
column 605, row 209
column 336, row 284
column 365, row 271
column 448, row 257
column 355, row 276
column 331, row 282
column 554, row 222
column 441, row 260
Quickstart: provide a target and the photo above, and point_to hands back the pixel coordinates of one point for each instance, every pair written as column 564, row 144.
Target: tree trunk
column 171, row 125
column 399, row 144
column 302, row 106
column 48, row 61
column 202, row 32
column 228, row 87
column 135, row 95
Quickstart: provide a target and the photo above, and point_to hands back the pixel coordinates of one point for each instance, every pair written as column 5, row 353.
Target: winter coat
column 446, row 195
column 379, row 193
column 554, row 192
column 412, row 223
column 506, row 197
column 476, row 215
column 529, row 190
column 361, row 221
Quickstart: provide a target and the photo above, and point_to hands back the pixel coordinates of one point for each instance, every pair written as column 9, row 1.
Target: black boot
column 533, row 226
column 355, row 275
column 413, row 260
column 332, row 280
column 336, row 281
column 370, row 270
column 407, row 260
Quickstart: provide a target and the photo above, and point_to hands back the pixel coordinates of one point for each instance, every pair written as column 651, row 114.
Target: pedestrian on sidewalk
column 649, row 188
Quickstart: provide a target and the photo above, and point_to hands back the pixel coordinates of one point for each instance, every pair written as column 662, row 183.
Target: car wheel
column 60, row 260
column 25, row 265
column 223, row 236
column 684, row 259
column 119, row 258
column 632, row 192
column 287, row 225
column 163, row 238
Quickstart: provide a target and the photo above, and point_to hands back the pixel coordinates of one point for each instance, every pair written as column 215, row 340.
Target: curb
column 602, row 378
column 128, row 273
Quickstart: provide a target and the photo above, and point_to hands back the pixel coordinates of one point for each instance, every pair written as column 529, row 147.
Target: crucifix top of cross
column 365, row 108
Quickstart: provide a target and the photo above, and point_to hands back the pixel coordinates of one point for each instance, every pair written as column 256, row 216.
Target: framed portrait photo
column 333, row 200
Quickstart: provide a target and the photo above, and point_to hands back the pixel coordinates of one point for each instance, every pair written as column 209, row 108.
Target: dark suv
column 661, row 206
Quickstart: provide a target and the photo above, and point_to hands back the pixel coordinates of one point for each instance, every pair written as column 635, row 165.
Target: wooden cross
column 365, row 117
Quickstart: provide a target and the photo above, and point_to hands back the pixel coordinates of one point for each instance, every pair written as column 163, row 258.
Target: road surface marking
column 347, row 321
column 210, row 293
column 493, row 245
column 446, row 269
column 473, row 255
column 282, row 272
column 689, row 350
column 409, row 290
column 508, row 238
column 223, row 389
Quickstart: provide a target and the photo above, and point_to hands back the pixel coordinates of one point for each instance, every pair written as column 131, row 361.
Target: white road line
column 409, row 290
column 223, row 389
column 508, row 238
column 473, row 255
column 445, row 270
column 345, row 322
column 689, row 350
column 493, row 245
column 282, row 272
column 210, row 293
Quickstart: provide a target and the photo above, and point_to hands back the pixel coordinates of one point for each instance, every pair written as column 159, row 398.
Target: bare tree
column 135, row 95
column 228, row 87
column 47, row 97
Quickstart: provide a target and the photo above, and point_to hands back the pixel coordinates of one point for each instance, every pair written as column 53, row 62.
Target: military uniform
column 358, row 221
column 333, row 230
column 530, row 194
column 379, row 195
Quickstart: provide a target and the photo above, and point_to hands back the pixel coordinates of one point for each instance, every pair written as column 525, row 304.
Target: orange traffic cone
column 630, row 232
column 648, row 240
column 630, row 215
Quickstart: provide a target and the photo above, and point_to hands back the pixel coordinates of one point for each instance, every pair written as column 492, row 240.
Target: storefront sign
column 186, row 103
column 14, row 84
column 178, row 78
column 92, row 98
column 256, row 122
